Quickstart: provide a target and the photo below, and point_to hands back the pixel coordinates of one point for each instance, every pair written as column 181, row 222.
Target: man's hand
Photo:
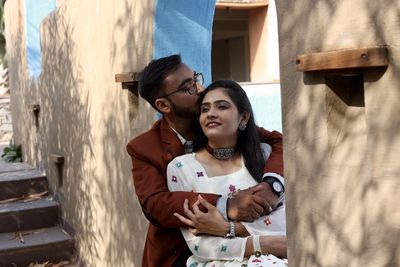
column 266, row 193
column 248, row 205
column 210, row 222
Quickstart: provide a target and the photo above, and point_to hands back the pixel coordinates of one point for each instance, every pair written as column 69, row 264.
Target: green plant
column 12, row 153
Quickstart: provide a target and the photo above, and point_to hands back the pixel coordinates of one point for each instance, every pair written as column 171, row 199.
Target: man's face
column 183, row 104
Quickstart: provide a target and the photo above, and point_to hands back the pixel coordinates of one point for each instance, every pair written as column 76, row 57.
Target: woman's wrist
column 225, row 229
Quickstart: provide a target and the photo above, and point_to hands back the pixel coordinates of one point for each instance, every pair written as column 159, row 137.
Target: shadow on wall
column 330, row 219
column 65, row 126
column 129, row 229
column 97, row 193
column 18, row 85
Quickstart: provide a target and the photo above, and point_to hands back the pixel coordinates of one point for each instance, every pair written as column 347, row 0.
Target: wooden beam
column 343, row 59
column 127, row 77
column 129, row 80
column 231, row 5
column 56, row 158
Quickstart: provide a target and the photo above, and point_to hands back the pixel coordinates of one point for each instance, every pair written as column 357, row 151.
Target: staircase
column 30, row 230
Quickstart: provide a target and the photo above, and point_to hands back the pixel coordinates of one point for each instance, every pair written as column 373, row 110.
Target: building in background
column 341, row 129
column 245, row 48
column 63, row 59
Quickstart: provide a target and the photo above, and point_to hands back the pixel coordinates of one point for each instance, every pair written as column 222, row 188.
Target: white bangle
column 231, row 232
column 257, row 246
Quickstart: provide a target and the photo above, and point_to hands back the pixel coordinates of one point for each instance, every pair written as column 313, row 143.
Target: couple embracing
column 208, row 179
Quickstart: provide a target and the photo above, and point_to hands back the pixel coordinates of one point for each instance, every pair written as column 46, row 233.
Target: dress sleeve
column 204, row 247
column 207, row 248
column 178, row 177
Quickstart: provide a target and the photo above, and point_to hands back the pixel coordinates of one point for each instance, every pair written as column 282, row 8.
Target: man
column 174, row 89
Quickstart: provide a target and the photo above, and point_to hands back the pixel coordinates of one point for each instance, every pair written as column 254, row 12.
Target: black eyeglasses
column 190, row 86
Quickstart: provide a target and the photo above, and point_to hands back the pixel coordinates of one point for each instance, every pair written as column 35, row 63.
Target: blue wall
column 185, row 27
column 266, row 102
column 35, row 12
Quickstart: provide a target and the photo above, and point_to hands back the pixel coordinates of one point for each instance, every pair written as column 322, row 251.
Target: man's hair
column 152, row 77
column 248, row 142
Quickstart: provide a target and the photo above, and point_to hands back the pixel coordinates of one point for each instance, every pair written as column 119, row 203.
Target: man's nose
column 200, row 89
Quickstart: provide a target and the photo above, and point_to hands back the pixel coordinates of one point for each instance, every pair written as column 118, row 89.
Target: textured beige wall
column 84, row 117
column 341, row 157
column 14, row 32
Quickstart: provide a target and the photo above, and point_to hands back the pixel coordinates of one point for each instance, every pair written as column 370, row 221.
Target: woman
column 228, row 158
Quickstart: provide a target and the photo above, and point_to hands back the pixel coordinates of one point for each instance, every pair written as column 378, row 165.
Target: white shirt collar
column 181, row 138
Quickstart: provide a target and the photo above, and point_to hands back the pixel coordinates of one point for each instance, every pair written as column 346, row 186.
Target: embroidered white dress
column 185, row 173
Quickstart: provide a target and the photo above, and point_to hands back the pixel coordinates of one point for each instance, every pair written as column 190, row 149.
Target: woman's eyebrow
column 222, row 102
column 217, row 102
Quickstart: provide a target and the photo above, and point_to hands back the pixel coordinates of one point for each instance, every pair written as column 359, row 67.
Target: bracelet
column 231, row 232
column 257, row 246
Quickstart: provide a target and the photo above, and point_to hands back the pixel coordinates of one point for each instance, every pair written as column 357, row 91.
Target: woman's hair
column 248, row 142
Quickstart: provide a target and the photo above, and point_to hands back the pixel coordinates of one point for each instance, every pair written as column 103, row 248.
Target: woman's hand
column 210, row 222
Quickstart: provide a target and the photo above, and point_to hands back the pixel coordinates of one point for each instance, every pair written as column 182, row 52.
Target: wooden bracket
column 57, row 159
column 129, row 81
column 59, row 163
column 343, row 59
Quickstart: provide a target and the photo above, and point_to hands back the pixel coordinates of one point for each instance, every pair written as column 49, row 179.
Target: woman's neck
column 222, row 143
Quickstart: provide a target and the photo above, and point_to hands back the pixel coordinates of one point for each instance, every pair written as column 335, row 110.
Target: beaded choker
column 221, row 153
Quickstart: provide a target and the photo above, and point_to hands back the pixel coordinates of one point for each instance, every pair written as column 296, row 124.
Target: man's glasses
column 190, row 86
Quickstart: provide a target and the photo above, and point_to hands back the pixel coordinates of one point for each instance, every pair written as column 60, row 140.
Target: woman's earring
column 242, row 126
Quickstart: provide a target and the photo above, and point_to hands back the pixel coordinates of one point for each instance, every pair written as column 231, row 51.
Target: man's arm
column 274, row 163
column 158, row 204
column 273, row 168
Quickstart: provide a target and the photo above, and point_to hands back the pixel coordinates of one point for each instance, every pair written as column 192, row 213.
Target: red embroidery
column 267, row 221
column 232, row 188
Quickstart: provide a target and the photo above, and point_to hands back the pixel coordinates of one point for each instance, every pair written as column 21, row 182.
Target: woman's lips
column 212, row 124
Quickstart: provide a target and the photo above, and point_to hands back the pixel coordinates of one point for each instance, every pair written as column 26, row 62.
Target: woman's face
column 220, row 118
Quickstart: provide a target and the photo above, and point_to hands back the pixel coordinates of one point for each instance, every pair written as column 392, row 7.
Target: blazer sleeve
column 157, row 202
column 274, row 163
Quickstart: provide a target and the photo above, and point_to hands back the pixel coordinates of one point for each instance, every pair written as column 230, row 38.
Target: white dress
column 185, row 173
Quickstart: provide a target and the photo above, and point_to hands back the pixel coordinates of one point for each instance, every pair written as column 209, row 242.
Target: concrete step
column 12, row 167
column 20, row 215
column 21, row 183
column 40, row 245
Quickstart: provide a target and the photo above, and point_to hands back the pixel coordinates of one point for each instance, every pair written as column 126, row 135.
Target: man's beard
column 186, row 112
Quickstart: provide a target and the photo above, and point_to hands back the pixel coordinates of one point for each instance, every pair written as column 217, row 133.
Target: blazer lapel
column 172, row 144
